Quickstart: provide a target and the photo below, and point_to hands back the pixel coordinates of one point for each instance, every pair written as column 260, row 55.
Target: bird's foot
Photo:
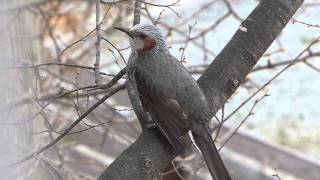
column 150, row 124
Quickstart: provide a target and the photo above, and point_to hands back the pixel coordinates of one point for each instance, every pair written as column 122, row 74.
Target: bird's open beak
column 128, row 31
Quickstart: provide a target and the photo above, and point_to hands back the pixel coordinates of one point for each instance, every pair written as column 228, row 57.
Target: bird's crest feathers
column 147, row 38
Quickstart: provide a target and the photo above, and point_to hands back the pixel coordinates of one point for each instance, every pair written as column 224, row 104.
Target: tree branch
column 239, row 56
column 66, row 131
column 147, row 156
column 97, row 63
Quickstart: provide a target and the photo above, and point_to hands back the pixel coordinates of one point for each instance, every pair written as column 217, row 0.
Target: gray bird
column 171, row 96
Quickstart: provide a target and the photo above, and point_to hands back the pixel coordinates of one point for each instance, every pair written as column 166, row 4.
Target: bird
column 171, row 96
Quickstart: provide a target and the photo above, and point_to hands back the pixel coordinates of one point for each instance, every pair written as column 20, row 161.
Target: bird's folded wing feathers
column 166, row 113
column 172, row 124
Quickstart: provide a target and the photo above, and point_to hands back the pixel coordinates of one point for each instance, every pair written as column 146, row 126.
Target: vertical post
column 136, row 16
column 97, row 63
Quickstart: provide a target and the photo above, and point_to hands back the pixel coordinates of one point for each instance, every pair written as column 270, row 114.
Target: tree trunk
column 219, row 82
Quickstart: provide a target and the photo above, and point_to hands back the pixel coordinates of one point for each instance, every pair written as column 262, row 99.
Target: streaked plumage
column 171, row 96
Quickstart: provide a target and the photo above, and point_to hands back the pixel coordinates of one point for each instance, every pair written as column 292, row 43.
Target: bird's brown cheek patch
column 148, row 44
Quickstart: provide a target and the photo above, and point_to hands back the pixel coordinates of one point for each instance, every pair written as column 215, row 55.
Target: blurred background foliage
column 65, row 36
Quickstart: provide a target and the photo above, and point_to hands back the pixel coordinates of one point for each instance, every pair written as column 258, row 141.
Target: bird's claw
column 150, row 125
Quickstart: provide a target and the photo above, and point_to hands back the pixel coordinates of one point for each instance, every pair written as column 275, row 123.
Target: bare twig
column 233, row 131
column 136, row 12
column 312, row 66
column 83, row 38
column 97, row 63
column 106, row 86
column 227, row 3
column 118, row 50
column 198, row 69
column 112, row 2
column 169, row 6
column 183, row 49
column 53, row 64
column 213, row 26
column 271, row 80
column 304, row 23
column 51, row 33
column 276, row 174
column 66, row 131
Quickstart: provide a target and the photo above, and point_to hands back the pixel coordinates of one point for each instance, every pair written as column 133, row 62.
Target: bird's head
column 145, row 38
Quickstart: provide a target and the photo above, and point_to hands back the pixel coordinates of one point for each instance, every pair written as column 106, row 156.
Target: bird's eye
column 142, row 35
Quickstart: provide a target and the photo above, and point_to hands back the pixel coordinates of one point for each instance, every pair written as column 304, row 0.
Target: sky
column 294, row 95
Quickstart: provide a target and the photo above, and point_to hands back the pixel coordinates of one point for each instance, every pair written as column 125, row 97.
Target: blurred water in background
column 294, row 95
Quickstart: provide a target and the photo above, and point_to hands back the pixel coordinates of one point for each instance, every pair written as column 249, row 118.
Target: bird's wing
column 165, row 112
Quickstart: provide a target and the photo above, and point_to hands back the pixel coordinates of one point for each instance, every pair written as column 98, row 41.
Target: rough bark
column 146, row 157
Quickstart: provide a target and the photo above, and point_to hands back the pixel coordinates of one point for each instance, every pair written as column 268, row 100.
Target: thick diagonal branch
column 219, row 82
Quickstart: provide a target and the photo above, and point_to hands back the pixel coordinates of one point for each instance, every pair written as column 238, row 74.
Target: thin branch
column 83, row 38
column 213, row 26
column 136, row 12
column 169, row 6
column 199, row 69
column 233, row 131
column 227, row 3
column 112, row 2
column 273, row 65
column 312, row 66
column 118, row 50
column 47, row 104
column 53, row 64
column 183, row 49
column 97, row 63
column 51, row 33
column 106, row 86
column 304, row 23
column 293, row 62
column 218, row 83
column 66, row 131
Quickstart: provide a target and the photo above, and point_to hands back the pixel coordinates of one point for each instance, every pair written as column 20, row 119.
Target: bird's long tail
column 211, row 155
